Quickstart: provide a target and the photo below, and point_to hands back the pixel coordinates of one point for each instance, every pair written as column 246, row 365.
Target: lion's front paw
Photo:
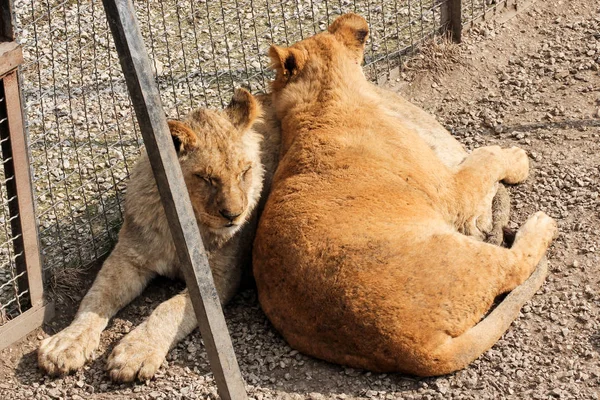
column 68, row 350
column 135, row 356
column 518, row 165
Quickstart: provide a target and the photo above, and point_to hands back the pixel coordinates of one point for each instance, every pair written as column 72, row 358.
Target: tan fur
column 359, row 257
column 220, row 158
column 495, row 216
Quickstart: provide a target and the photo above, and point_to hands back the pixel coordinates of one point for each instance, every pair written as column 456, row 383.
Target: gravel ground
column 532, row 82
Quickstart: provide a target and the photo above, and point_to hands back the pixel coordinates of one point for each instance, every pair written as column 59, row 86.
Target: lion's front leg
column 118, row 282
column 142, row 351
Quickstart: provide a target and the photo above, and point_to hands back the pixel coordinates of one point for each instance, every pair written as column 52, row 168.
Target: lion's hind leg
column 457, row 353
column 512, row 269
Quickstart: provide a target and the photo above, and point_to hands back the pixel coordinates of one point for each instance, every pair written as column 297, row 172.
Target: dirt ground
column 533, row 82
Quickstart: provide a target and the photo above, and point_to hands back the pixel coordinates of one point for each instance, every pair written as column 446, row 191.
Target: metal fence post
column 452, row 19
column 175, row 199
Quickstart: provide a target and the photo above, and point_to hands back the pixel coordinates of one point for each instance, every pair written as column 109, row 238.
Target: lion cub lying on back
column 219, row 154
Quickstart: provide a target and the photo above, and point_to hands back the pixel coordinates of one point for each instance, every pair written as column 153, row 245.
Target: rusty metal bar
column 169, row 179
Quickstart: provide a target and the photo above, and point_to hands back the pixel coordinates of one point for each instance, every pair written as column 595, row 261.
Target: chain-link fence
column 82, row 135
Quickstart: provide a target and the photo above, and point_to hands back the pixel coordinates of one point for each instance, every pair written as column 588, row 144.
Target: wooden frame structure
column 174, row 195
column 15, row 156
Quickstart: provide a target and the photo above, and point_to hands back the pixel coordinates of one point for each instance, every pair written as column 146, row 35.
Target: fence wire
column 82, row 135
column 13, row 292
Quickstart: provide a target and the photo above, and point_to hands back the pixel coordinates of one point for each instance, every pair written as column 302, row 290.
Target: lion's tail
column 459, row 352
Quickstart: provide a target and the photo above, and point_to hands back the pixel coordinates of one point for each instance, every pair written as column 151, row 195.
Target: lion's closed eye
column 208, row 179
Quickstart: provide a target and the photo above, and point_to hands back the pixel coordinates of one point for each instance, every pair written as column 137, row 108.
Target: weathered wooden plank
column 153, row 126
column 25, row 323
column 24, row 228
column 11, row 56
column 19, row 188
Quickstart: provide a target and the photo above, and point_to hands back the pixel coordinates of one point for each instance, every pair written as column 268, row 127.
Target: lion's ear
column 350, row 29
column 184, row 138
column 243, row 109
column 286, row 61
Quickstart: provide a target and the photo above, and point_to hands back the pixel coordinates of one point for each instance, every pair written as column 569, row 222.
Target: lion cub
column 360, row 256
column 219, row 154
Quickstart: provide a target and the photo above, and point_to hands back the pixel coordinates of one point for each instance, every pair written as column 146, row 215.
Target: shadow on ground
column 266, row 361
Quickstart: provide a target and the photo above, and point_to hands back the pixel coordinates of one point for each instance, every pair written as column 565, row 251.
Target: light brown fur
column 494, row 214
column 220, row 156
column 359, row 257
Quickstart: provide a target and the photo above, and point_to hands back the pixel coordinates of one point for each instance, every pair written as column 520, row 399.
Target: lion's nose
column 228, row 214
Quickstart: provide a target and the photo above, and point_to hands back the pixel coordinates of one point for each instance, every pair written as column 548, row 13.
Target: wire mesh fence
column 474, row 9
column 82, row 135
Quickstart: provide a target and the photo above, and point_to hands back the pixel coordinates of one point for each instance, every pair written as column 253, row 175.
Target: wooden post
column 452, row 19
column 17, row 169
column 175, row 199
column 23, row 228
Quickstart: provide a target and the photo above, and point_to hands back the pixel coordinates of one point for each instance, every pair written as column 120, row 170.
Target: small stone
column 556, row 392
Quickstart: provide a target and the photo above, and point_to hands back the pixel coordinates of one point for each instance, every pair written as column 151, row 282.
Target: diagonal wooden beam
column 175, row 199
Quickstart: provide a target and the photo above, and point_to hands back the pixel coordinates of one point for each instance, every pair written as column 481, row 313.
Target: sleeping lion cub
column 220, row 156
column 359, row 257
